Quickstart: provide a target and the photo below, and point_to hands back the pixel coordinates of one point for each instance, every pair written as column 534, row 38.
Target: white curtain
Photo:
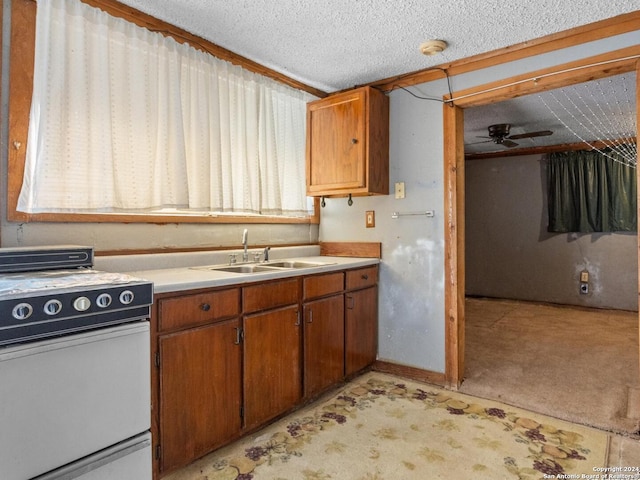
column 127, row 120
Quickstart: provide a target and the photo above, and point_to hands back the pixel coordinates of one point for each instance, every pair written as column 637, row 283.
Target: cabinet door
column 323, row 343
column 200, row 391
column 361, row 329
column 272, row 374
column 336, row 143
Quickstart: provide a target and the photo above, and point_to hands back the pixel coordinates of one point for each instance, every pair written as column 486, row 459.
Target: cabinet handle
column 365, row 277
column 297, row 324
column 352, row 304
column 205, row 307
column 310, row 316
column 239, row 336
column 354, row 141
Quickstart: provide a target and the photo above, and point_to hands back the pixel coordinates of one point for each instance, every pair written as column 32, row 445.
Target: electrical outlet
column 584, row 288
column 370, row 218
column 399, row 189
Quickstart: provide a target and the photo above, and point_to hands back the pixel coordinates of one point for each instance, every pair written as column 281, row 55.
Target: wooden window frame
column 23, row 23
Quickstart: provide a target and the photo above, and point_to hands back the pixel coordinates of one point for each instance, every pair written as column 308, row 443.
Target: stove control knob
column 81, row 304
column 52, row 307
column 22, row 311
column 126, row 297
column 103, row 300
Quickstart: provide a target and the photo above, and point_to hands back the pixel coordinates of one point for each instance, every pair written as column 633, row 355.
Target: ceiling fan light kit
column 432, row 47
column 499, row 130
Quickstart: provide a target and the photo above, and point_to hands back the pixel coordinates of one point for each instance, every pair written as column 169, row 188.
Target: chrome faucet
column 266, row 254
column 245, row 255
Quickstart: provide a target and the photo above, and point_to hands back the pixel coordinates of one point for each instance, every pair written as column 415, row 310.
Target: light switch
column 399, row 189
column 370, row 218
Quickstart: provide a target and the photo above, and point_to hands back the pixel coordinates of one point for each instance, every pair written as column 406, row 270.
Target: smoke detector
column 431, row 47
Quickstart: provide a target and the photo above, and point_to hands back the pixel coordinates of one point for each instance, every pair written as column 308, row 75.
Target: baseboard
column 412, row 373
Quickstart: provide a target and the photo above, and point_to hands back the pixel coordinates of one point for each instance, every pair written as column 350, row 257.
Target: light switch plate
column 370, row 218
column 399, row 189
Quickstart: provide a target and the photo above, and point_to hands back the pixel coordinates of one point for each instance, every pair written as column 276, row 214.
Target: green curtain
column 590, row 192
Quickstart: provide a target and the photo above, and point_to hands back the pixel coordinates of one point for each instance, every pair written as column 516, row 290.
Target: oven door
column 65, row 398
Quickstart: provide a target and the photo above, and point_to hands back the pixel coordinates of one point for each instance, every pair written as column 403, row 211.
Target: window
column 134, row 122
column 591, row 192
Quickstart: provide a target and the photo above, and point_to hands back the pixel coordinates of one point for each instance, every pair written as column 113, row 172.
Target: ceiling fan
column 499, row 134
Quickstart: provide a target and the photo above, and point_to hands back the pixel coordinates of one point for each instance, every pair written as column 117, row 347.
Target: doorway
column 548, row 79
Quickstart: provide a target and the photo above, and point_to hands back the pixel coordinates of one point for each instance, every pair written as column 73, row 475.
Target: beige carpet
column 577, row 364
column 380, row 427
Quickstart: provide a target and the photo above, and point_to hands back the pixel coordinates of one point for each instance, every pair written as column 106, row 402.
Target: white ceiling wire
column 592, row 114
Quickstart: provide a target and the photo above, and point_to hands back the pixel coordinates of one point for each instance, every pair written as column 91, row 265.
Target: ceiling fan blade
column 483, row 141
column 508, row 143
column 541, row 133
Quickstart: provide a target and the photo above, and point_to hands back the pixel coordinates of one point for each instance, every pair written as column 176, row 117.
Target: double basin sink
column 264, row 267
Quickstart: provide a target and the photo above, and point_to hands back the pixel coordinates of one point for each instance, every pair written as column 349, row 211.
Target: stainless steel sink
column 247, row 268
column 296, row 264
column 241, row 268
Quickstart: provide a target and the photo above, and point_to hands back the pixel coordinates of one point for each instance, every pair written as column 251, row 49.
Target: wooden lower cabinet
column 361, row 329
column 272, row 374
column 200, row 376
column 228, row 360
column 323, row 343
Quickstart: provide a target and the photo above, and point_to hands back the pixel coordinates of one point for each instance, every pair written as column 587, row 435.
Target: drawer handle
column 365, row 277
column 205, row 307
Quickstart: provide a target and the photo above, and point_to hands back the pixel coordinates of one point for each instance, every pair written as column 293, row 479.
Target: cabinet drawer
column 320, row 285
column 362, row 277
column 192, row 310
column 270, row 295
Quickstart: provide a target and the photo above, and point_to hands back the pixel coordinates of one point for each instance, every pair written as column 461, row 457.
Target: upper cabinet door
column 348, row 144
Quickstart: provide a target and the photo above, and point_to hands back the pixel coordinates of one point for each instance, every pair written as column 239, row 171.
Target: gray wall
column 510, row 254
column 411, row 324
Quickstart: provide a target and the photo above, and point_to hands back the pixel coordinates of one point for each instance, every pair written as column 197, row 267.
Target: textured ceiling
column 337, row 44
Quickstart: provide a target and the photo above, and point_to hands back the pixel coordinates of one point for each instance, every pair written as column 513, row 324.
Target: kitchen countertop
column 194, row 277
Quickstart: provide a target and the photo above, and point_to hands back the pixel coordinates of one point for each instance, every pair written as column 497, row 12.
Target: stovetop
column 43, row 303
column 28, row 283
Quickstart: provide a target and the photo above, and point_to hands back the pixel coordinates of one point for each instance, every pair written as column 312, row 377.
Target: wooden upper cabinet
column 348, row 144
